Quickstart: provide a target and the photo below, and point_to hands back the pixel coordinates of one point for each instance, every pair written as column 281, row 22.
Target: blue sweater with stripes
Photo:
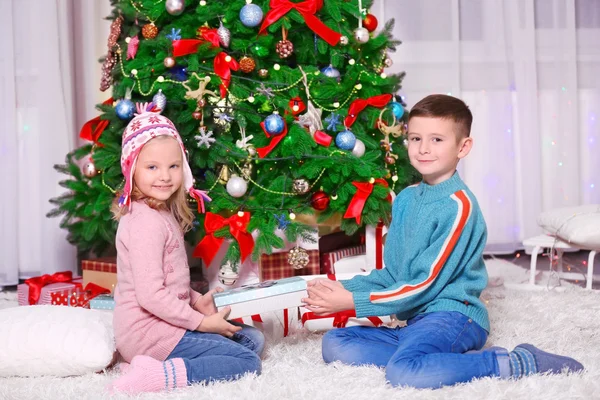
column 433, row 256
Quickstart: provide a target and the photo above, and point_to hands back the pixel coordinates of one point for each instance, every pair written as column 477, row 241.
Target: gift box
column 262, row 297
column 375, row 241
column 276, row 266
column 274, row 324
column 329, row 259
column 342, row 319
column 49, row 289
column 101, row 271
column 103, row 302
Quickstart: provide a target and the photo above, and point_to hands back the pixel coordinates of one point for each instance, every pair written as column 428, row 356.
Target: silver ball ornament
column 175, row 7
column 359, row 148
column 331, row 72
column 236, row 186
column 301, row 186
column 345, row 140
column 361, row 35
column 251, row 15
column 89, row 169
column 344, row 40
column 224, row 35
column 388, row 62
column 160, row 100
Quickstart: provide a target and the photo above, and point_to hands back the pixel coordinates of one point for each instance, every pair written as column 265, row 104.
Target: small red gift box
column 42, row 288
column 276, row 266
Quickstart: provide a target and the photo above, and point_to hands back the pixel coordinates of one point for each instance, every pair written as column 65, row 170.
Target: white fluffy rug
column 564, row 322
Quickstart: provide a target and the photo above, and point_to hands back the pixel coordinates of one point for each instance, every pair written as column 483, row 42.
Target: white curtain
column 529, row 70
column 49, row 48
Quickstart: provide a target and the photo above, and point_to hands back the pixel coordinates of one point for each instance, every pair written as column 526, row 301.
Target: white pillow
column 577, row 225
column 54, row 340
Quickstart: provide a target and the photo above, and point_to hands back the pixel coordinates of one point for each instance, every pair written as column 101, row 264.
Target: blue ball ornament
column 331, row 72
column 274, row 124
column 125, row 109
column 251, row 15
column 345, row 140
column 179, row 73
column 397, row 109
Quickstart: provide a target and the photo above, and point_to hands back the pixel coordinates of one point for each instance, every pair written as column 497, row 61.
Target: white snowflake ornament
column 204, row 137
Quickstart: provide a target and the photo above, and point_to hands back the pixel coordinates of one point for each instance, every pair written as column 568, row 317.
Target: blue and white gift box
column 262, row 297
column 103, row 302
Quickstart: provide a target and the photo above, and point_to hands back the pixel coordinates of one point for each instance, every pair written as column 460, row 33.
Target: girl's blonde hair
column 176, row 204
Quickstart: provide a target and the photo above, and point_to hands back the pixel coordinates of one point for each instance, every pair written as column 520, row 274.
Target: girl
column 172, row 335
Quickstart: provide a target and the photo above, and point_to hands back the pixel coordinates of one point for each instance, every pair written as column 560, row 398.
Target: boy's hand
column 328, row 297
column 317, row 281
column 206, row 304
column 217, row 323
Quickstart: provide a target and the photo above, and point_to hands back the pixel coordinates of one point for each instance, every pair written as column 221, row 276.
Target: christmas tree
column 284, row 107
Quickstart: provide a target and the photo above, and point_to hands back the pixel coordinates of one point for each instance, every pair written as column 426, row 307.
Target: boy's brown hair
column 445, row 107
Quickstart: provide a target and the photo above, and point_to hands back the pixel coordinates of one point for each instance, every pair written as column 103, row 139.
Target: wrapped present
column 375, row 241
column 262, row 297
column 347, row 318
column 329, row 259
column 274, row 324
column 103, row 302
column 39, row 290
column 57, row 289
column 101, row 271
column 277, row 265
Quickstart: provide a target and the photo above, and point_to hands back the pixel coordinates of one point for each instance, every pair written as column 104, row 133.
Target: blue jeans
column 428, row 353
column 211, row 357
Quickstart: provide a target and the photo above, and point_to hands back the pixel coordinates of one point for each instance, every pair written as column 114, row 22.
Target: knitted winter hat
column 146, row 125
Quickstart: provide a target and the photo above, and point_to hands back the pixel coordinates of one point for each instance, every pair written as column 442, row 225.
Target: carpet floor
column 566, row 322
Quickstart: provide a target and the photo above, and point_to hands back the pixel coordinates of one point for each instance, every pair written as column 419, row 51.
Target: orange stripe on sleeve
column 464, row 211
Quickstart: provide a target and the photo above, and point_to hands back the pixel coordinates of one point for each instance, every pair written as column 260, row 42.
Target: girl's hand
column 217, row 323
column 206, row 304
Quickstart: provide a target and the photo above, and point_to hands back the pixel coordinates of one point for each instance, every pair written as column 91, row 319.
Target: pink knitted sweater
column 153, row 298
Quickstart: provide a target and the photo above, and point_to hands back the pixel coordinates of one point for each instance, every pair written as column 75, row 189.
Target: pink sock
column 123, row 366
column 145, row 374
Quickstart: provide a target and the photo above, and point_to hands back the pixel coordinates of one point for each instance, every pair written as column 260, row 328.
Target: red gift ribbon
column 209, row 246
column 379, row 246
column 92, row 129
column 308, row 8
column 183, row 47
column 340, row 318
column 364, row 190
column 223, row 70
column 322, row 138
column 37, row 283
column 275, row 139
column 360, row 104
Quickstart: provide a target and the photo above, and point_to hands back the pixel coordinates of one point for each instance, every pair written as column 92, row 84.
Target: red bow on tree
column 184, row 47
column 92, row 129
column 275, row 139
column 360, row 104
column 223, row 65
column 209, row 246
column 308, row 8
column 364, row 190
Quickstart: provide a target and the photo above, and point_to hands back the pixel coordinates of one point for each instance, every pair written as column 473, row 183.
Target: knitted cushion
column 577, row 225
column 54, row 340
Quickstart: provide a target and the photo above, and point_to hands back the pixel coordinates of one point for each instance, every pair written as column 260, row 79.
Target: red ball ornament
column 319, row 200
column 370, row 22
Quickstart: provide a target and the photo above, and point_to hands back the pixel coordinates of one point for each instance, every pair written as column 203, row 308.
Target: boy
column 434, row 274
